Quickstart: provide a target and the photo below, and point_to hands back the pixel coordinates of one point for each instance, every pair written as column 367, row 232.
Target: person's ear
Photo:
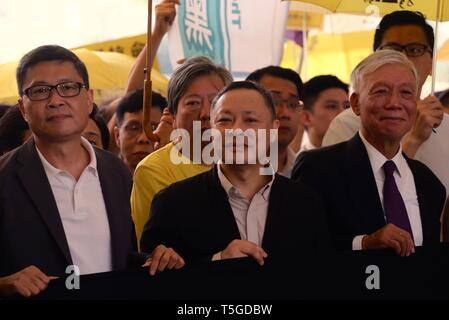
column 22, row 109
column 304, row 118
column 117, row 136
column 276, row 124
column 90, row 100
column 354, row 99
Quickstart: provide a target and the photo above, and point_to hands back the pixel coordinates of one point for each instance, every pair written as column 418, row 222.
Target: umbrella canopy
column 437, row 10
column 108, row 75
column 443, row 53
column 381, row 7
column 335, row 54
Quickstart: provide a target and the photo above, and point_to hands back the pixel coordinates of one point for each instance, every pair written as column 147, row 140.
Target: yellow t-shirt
column 154, row 173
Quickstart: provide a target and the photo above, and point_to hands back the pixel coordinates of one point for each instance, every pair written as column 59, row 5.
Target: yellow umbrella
column 443, row 53
column 108, row 75
column 437, row 10
column 336, row 54
column 428, row 7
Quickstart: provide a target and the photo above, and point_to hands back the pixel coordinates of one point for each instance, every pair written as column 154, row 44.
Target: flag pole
column 147, row 85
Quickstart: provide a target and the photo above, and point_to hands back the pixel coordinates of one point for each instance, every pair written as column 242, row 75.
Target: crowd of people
column 356, row 169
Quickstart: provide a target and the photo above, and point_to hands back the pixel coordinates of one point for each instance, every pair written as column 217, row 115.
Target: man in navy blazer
column 375, row 196
column 62, row 202
column 236, row 209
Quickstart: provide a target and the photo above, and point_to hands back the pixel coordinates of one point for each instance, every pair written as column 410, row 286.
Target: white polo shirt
column 83, row 214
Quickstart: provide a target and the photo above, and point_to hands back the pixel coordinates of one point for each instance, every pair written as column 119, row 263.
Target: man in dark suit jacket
column 362, row 199
column 234, row 210
column 31, row 231
column 62, row 201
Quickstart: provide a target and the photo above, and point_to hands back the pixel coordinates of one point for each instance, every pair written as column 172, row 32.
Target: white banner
column 242, row 35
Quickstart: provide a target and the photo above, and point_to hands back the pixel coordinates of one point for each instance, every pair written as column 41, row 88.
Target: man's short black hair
column 278, row 72
column 49, row 53
column 133, row 103
column 316, row 85
column 12, row 129
column 250, row 85
column 101, row 124
column 401, row 18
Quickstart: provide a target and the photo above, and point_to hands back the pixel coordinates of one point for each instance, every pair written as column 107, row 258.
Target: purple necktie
column 395, row 211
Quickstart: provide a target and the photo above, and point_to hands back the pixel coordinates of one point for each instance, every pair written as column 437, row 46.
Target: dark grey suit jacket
column 343, row 176
column 31, row 230
column 194, row 217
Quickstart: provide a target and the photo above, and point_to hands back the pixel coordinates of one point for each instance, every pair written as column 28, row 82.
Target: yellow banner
column 130, row 46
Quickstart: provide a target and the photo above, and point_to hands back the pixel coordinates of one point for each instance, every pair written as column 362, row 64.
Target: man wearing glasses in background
column 285, row 86
column 408, row 32
column 63, row 202
column 129, row 135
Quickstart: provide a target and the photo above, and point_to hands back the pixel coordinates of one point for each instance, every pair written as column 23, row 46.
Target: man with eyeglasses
column 63, row 202
column 130, row 137
column 408, row 32
column 285, row 86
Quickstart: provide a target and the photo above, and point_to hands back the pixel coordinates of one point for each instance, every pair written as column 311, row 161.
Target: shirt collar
column 231, row 189
column 377, row 159
column 306, row 144
column 52, row 170
column 291, row 158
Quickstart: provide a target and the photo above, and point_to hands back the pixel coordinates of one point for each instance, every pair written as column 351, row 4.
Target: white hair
column 377, row 60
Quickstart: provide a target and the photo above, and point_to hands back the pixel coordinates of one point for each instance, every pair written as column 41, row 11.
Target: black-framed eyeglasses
column 411, row 50
column 134, row 128
column 292, row 103
column 64, row 89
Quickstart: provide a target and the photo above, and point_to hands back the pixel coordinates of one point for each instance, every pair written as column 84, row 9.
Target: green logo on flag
column 201, row 25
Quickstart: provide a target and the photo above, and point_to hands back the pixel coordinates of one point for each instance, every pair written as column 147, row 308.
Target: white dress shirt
column 83, row 213
column 249, row 215
column 406, row 186
column 434, row 152
column 306, row 144
column 342, row 128
column 290, row 163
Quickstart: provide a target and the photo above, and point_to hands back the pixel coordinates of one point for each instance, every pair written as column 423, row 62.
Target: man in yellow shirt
column 191, row 90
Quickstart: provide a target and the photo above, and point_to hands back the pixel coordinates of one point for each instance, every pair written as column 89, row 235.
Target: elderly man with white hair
column 375, row 196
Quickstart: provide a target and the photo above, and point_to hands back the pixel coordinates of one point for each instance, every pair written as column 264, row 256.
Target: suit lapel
column 425, row 202
column 362, row 186
column 35, row 182
column 109, row 181
column 220, row 207
column 274, row 213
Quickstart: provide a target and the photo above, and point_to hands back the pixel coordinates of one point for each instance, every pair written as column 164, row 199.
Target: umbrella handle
column 147, row 88
column 147, row 85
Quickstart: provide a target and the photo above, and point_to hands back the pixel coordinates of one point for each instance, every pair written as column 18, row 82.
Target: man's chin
column 284, row 142
column 137, row 157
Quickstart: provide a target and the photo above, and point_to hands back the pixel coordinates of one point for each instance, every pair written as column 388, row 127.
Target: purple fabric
column 395, row 211
column 294, row 35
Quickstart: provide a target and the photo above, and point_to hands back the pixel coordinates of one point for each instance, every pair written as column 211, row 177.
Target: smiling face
column 56, row 118
column 243, row 109
column 386, row 103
